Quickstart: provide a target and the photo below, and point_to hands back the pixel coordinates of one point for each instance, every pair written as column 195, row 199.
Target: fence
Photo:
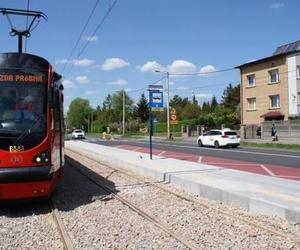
column 286, row 130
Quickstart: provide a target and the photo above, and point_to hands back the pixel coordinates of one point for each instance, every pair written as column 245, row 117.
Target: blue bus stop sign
column 156, row 99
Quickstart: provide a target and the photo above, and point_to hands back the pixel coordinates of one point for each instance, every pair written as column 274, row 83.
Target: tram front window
column 22, row 114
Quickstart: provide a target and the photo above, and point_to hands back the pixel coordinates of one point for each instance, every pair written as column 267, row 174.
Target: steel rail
column 133, row 207
column 256, row 224
column 60, row 225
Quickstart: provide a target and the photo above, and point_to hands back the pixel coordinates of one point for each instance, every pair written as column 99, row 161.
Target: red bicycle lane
column 252, row 167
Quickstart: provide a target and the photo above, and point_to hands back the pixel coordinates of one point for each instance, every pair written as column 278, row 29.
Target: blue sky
column 139, row 36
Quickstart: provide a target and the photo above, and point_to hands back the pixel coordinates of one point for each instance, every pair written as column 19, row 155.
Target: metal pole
column 123, row 130
column 150, row 132
column 168, row 107
column 92, row 122
column 20, row 43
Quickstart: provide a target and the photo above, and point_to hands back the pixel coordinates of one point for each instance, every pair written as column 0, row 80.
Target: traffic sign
column 173, row 111
column 173, row 117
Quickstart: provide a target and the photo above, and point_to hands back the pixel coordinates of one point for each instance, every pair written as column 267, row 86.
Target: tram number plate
column 16, row 148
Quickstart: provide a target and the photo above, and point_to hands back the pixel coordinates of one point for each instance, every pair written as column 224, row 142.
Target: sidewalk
column 255, row 193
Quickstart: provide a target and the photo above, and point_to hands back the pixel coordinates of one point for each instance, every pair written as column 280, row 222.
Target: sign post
column 155, row 104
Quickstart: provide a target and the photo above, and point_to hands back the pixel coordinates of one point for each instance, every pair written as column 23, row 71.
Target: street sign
column 173, row 117
column 157, row 109
column 173, row 111
column 156, row 99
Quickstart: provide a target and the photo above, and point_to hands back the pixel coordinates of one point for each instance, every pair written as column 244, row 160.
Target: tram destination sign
column 21, row 78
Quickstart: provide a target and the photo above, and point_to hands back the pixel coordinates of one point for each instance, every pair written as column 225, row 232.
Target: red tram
column 31, row 126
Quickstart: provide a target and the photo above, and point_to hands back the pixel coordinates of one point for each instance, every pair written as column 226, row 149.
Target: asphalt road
column 256, row 155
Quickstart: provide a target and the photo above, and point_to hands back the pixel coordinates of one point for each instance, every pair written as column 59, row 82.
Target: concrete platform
column 253, row 192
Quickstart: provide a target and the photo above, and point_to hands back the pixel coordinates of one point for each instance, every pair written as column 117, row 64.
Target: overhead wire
column 81, row 33
column 93, row 34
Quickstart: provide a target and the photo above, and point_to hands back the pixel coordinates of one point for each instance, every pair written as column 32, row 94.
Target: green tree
column 141, row 110
column 231, row 97
column 213, row 104
column 117, row 105
column 78, row 114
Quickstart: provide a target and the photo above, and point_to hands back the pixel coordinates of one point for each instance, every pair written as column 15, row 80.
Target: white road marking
column 161, row 153
column 267, row 170
column 200, row 159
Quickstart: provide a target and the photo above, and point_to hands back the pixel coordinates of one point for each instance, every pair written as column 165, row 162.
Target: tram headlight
column 43, row 157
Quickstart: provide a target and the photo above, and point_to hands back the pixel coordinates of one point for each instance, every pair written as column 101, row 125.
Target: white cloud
column 277, row 5
column 171, row 83
column 82, row 62
column 82, row 79
column 68, row 84
column 127, row 89
column 61, row 61
column 118, row 82
column 89, row 92
column 78, row 62
column 182, row 88
column 114, row 63
column 151, row 66
column 90, row 38
column 208, row 69
column 182, row 67
column 202, row 95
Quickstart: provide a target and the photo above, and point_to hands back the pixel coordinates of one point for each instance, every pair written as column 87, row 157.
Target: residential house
column 270, row 87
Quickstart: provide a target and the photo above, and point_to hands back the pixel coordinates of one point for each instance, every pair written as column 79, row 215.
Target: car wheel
column 235, row 146
column 200, row 144
column 217, row 144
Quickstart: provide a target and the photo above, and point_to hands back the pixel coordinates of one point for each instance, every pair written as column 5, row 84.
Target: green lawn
column 272, row 145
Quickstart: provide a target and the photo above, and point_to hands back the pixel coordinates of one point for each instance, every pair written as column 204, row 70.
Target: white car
column 78, row 134
column 219, row 138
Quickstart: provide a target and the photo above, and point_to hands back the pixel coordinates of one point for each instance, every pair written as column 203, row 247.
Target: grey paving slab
column 253, row 192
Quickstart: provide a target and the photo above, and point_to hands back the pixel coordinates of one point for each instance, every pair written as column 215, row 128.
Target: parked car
column 78, row 134
column 219, row 138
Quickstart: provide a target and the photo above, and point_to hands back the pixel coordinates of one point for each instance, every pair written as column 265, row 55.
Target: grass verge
column 271, row 145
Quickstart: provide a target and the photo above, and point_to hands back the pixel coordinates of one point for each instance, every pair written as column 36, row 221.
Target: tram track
column 133, row 207
column 248, row 219
column 67, row 243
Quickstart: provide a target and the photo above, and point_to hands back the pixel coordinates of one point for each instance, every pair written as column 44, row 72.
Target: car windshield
column 22, row 114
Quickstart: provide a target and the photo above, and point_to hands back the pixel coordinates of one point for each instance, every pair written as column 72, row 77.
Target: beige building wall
column 263, row 89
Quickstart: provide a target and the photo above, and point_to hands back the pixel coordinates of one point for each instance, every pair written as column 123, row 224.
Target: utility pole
column 168, row 101
column 123, row 123
column 168, row 105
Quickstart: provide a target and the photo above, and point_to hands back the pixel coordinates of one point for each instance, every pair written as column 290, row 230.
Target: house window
column 251, row 103
column 274, row 101
column 251, row 80
column 274, row 76
column 298, row 71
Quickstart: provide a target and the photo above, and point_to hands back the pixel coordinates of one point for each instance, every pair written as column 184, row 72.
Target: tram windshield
column 22, row 114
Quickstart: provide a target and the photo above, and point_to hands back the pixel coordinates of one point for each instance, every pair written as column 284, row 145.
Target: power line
column 201, row 73
column 95, row 31
column 81, row 33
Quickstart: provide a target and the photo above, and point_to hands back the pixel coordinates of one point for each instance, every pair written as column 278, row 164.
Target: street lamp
column 168, row 101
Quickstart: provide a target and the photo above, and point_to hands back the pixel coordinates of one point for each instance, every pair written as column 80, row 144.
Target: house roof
column 282, row 50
